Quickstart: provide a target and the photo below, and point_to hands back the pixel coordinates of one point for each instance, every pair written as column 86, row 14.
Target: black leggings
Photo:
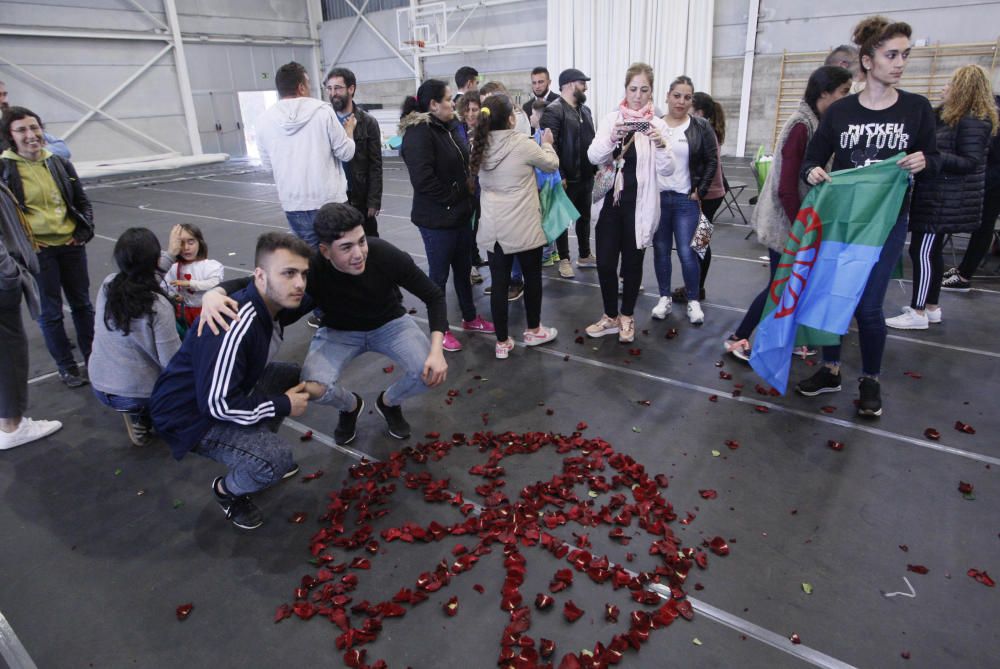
column 531, row 267
column 981, row 239
column 926, row 250
column 615, row 235
column 709, row 208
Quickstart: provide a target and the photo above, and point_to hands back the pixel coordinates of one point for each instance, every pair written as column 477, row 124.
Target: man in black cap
column 572, row 127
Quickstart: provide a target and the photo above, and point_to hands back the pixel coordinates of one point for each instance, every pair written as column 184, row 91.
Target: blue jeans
column 678, row 220
column 256, row 456
column 401, row 340
column 63, row 271
column 452, row 248
column 868, row 314
column 301, row 223
column 121, row 404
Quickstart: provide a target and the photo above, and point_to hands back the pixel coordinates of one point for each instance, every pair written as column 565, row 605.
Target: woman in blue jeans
column 438, row 163
column 136, row 331
column 61, row 219
column 856, row 131
column 694, row 146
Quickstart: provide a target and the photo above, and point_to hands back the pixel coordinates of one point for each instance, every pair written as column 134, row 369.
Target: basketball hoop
column 422, row 27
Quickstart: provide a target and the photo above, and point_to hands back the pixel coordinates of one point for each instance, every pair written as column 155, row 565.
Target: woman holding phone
column 633, row 139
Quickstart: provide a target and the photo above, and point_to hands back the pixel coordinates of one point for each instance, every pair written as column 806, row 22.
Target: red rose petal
column 579, row 340
column 662, row 480
column 545, row 648
column 708, row 494
column 611, row 613
column 914, row 375
column 571, row 611
column 389, row 369
column 479, row 588
column 581, row 426
column 355, row 658
column 549, row 412
column 312, row 477
column 795, row 639
column 543, row 601
column 905, row 655
column 917, row 568
column 671, row 333
column 732, row 444
column 451, row 607
column 965, row 488
column 931, row 433
column 298, row 517
column 835, row 445
column 283, row 611
column 982, row 577
column 306, row 436
column 964, row 427
column 713, row 398
column 760, row 408
column 184, row 610
column 719, row 546
column 432, row 435
column 828, row 409
column 725, row 376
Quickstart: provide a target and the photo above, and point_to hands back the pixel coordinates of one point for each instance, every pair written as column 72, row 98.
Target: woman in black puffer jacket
column 437, row 159
column 952, row 200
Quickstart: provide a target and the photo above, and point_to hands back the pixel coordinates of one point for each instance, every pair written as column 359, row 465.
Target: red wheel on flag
column 805, row 256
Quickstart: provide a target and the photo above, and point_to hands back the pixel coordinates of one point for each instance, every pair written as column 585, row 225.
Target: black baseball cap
column 571, row 75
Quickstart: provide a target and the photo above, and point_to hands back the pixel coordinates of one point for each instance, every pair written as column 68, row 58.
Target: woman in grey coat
column 783, row 191
column 18, row 263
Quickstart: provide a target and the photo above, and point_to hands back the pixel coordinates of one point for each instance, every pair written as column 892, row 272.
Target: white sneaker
column 908, row 320
column 543, row 336
column 662, row 308
column 695, row 314
column 28, row 431
column 933, row 316
column 566, row 269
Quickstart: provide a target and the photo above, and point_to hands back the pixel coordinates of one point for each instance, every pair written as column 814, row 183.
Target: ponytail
column 494, row 114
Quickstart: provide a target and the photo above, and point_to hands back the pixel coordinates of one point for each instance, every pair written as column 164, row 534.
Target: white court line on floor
column 11, row 649
column 716, row 615
column 949, row 347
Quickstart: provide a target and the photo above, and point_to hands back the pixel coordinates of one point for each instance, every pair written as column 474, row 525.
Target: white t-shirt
column 679, row 180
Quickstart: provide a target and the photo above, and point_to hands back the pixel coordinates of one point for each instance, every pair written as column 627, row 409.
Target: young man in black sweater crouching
column 355, row 281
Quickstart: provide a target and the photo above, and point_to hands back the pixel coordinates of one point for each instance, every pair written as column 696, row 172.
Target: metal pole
column 350, row 34
column 418, row 66
column 378, row 34
column 314, row 15
column 183, row 81
column 753, row 10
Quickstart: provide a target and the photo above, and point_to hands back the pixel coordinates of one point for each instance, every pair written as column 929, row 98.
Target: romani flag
column 834, row 243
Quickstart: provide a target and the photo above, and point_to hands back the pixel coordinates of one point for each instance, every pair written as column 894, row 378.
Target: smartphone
column 637, row 126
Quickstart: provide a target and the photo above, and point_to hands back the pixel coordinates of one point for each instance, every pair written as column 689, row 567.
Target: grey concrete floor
column 102, row 541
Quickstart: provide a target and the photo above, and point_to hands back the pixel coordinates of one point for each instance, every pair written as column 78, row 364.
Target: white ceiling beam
column 382, row 37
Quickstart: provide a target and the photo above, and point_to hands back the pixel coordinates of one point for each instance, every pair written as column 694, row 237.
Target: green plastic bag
column 762, row 165
column 558, row 211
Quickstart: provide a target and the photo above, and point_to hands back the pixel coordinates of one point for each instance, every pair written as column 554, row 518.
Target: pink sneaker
column 450, row 343
column 543, row 336
column 478, row 324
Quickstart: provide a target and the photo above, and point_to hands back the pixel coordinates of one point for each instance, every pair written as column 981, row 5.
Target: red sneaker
column 478, row 324
column 450, row 343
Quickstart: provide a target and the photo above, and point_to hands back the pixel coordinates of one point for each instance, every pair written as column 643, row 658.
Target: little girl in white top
column 193, row 273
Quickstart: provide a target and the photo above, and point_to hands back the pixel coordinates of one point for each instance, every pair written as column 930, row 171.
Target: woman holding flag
column 857, row 131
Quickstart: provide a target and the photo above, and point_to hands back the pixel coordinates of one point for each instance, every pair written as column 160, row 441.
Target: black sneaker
column 314, row 322
column 823, row 381
column 240, row 511
column 515, row 292
column 680, row 295
column 139, row 428
column 291, row 472
column 870, row 403
column 956, row 283
column 398, row 427
column 347, row 426
column 71, row 377
column 488, row 290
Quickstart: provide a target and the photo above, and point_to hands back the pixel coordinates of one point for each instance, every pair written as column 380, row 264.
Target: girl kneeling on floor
column 135, row 333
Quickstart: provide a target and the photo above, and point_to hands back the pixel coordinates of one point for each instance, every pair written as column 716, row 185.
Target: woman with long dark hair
column 53, row 201
column 135, row 334
column 952, row 201
column 438, row 162
column 632, row 140
column 856, row 131
column 504, row 160
column 783, row 191
column 696, row 156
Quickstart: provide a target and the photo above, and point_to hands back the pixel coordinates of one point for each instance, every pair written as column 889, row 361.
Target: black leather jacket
column 703, row 156
column 366, row 166
column 572, row 132
column 952, row 200
column 438, row 163
column 68, row 183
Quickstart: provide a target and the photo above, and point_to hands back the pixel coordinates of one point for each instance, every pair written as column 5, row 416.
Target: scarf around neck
column 643, row 114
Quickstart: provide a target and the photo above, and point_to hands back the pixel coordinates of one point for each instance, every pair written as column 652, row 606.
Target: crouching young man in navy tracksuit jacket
column 221, row 397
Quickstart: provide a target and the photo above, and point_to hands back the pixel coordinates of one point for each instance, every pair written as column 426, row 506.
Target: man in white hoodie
column 304, row 145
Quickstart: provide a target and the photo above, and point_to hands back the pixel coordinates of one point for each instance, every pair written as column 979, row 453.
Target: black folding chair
column 729, row 200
